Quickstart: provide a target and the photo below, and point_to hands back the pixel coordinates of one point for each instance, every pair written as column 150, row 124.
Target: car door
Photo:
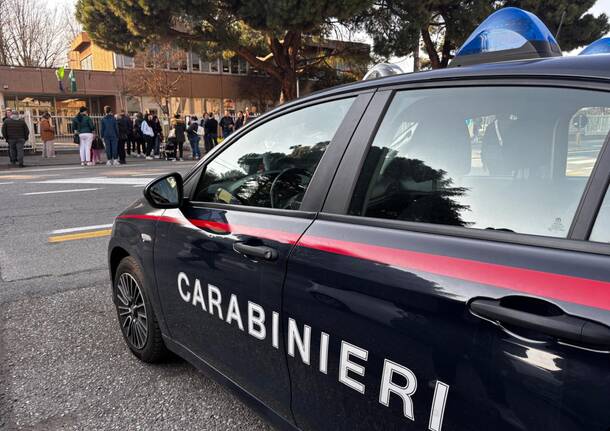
column 446, row 283
column 220, row 260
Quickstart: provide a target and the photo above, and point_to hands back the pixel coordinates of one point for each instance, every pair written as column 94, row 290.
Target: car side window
column 601, row 228
column 513, row 159
column 272, row 165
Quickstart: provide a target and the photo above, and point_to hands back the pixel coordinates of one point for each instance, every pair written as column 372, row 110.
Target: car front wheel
column 135, row 313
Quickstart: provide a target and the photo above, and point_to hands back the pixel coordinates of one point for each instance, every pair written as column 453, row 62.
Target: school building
column 106, row 78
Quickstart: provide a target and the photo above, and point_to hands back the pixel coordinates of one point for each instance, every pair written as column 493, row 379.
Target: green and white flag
column 60, row 73
column 72, row 79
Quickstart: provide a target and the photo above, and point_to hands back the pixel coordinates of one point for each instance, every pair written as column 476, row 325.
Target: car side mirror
column 166, row 191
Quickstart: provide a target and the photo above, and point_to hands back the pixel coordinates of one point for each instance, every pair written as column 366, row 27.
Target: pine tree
column 275, row 36
column 398, row 27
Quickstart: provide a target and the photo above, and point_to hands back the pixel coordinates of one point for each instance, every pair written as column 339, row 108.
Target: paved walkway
column 65, row 156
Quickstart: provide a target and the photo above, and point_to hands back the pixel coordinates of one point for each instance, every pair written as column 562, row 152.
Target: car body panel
column 400, row 291
column 198, row 242
column 404, row 297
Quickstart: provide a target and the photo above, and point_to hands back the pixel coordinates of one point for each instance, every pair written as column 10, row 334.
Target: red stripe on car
column 583, row 291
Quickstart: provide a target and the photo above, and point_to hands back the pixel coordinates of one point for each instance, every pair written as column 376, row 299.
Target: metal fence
column 596, row 125
column 63, row 130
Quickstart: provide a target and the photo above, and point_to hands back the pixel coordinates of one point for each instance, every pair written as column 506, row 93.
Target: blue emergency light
column 507, row 34
column 600, row 46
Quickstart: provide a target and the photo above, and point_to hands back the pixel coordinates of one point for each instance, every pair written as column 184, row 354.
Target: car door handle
column 565, row 327
column 255, row 251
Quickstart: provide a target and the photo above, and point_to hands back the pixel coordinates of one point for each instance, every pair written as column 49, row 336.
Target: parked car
column 422, row 251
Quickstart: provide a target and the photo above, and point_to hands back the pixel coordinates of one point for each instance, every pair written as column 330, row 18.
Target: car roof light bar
column 383, row 69
column 507, row 34
column 600, row 46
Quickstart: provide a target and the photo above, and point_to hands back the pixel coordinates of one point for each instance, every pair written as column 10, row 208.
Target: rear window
column 514, row 159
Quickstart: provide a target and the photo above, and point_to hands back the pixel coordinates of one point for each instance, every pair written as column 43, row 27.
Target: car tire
column 135, row 314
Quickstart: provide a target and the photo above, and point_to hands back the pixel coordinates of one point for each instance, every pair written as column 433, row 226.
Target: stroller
column 169, row 151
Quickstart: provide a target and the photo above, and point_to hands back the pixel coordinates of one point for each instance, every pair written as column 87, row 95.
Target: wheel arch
column 116, row 256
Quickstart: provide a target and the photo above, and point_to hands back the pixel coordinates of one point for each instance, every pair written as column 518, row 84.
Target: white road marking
column 71, row 168
column 80, row 229
column 7, row 183
column 60, row 191
column 161, row 172
column 99, row 180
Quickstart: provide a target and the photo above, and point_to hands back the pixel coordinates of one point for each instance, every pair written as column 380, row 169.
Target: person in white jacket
column 149, row 136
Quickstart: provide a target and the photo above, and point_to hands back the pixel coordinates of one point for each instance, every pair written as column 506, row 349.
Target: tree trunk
column 289, row 87
column 435, row 61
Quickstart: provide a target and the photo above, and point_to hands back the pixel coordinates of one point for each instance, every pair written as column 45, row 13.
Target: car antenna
column 563, row 15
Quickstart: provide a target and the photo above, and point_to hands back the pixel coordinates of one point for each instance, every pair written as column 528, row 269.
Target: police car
column 423, row 251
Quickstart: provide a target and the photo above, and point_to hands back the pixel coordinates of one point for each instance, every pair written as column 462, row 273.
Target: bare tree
column 33, row 33
column 159, row 73
column 4, row 48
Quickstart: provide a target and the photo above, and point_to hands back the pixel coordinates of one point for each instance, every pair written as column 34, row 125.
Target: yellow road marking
column 17, row 177
column 82, row 235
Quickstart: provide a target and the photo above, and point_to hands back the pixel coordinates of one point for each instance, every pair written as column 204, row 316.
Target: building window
column 206, row 66
column 124, row 61
column 226, row 66
column 195, row 62
column 243, row 66
column 87, row 63
column 234, row 65
column 214, row 66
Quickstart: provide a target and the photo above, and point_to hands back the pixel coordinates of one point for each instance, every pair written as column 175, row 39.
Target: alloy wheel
column 132, row 311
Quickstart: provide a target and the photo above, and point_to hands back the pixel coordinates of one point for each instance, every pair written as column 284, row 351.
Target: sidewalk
column 65, row 156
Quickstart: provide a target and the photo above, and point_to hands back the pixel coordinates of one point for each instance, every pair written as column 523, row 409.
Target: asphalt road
column 63, row 363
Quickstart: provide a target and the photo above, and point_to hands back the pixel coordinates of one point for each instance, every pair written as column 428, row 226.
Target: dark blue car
column 426, row 251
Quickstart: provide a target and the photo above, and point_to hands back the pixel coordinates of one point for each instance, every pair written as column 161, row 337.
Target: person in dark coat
column 125, row 126
column 131, row 141
column 16, row 132
column 211, row 132
column 227, row 125
column 158, row 130
column 110, row 135
column 239, row 121
column 138, row 136
column 180, row 128
column 194, row 138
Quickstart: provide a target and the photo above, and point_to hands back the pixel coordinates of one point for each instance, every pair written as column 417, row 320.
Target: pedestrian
column 125, row 126
column 246, row 115
column 211, row 132
column 138, row 137
column 158, row 129
column 239, row 121
column 180, row 130
column 8, row 114
column 193, row 135
column 97, row 149
column 47, row 136
column 16, row 132
column 83, row 127
column 149, row 136
column 131, row 141
column 110, row 135
column 227, row 124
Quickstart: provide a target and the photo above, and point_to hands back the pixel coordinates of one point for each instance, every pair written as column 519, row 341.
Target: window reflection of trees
column 251, row 183
column 410, row 190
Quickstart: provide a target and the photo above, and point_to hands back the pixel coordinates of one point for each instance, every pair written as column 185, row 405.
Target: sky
column 602, row 6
